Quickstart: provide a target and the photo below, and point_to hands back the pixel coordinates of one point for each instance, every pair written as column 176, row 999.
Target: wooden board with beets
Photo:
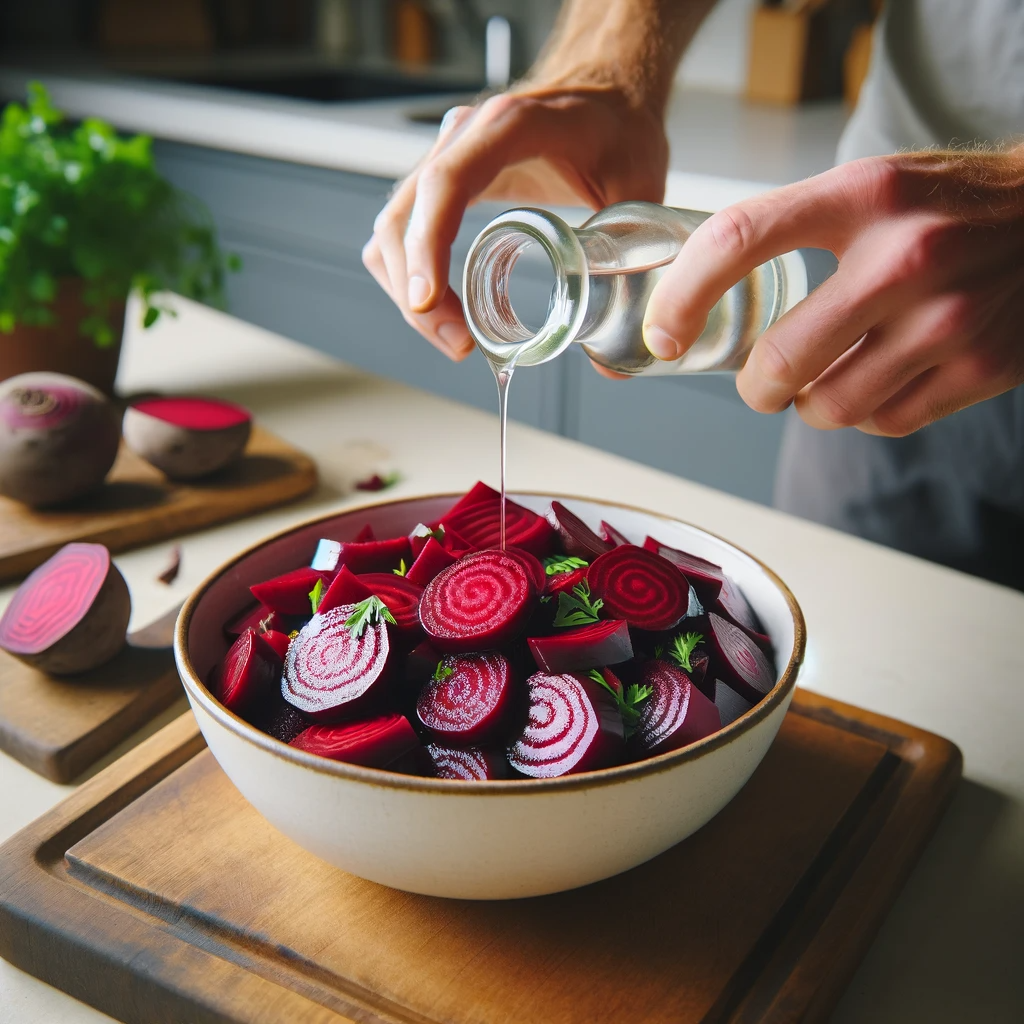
column 442, row 654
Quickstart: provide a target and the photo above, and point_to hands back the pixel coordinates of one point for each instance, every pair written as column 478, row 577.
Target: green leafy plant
column 316, row 595
column 81, row 202
column 368, row 613
column 628, row 703
column 682, row 648
column 563, row 563
column 442, row 672
column 577, row 608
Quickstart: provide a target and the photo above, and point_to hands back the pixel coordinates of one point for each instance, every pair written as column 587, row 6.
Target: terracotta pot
column 60, row 348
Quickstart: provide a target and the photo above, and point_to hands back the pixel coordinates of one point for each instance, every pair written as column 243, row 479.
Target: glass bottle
column 604, row 274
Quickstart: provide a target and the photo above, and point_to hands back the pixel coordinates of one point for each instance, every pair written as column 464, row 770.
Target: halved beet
column 740, row 662
column 639, row 586
column 577, row 538
column 375, row 555
column 676, row 713
column 278, row 640
column 704, row 576
column 733, row 604
column 186, row 438
column 593, row 646
column 573, row 727
column 246, row 681
column 365, row 534
column 729, row 703
column 289, row 594
column 468, row 700
column 479, row 603
column 401, row 596
column 345, row 588
column 476, row 518
column 432, row 558
column 329, row 673
column 373, row 743
column 613, row 536
column 467, row 764
column 71, row 613
column 565, row 581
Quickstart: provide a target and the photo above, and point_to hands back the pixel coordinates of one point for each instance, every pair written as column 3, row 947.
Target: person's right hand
column 545, row 145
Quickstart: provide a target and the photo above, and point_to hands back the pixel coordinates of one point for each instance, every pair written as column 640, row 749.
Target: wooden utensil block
column 157, row 893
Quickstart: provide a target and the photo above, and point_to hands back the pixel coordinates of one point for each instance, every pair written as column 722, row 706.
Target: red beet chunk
column 364, row 535
column 401, row 596
column 565, row 581
column 734, row 605
column 467, row 764
column 375, row 555
column 592, row 646
column 613, row 536
column 676, row 713
column 639, row 586
column 577, row 538
column 478, row 522
column 278, row 640
column 373, row 743
column 289, row 594
column 70, row 614
column 468, row 702
column 573, row 727
column 247, row 680
column 251, row 618
column 432, row 558
column 331, row 674
column 741, row 663
column 704, row 576
column 478, row 604
column 345, row 588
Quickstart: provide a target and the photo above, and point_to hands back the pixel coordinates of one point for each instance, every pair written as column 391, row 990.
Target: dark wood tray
column 157, row 894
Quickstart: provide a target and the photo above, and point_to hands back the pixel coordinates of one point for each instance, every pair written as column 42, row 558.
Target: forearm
column 630, row 45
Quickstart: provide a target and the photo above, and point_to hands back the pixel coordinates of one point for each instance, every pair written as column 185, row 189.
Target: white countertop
column 886, row 631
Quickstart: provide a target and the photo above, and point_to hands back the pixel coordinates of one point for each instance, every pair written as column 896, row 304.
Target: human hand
column 923, row 316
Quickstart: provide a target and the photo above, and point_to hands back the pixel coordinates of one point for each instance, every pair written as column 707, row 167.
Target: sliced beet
column 639, row 586
column 565, row 581
column 401, row 596
column 278, row 640
column 71, row 613
column 478, row 522
column 248, row 678
column 732, row 603
column 345, row 588
column 478, row 494
column 479, row 603
column 375, row 555
column 330, row 673
column 573, row 727
column 533, row 565
column 729, row 703
column 467, row 764
column 456, row 543
column 432, row 558
column 373, row 743
column 740, row 662
column 577, row 538
column 468, row 700
column 613, row 536
column 676, row 713
column 704, row 576
column 593, row 646
column 364, row 535
column 289, row 594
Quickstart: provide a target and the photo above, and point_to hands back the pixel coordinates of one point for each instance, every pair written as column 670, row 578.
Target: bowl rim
column 197, row 692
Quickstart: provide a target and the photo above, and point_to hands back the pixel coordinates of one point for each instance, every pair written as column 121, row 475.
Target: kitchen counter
column 886, row 631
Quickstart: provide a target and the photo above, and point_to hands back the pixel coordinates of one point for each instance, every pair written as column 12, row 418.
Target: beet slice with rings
column 247, row 680
column 739, row 661
column 478, row 604
column 468, row 700
column 613, row 536
column 639, row 586
column 345, row 588
column 432, row 558
column 401, row 596
column 732, row 603
column 577, row 538
column 333, row 670
column 675, row 714
column 565, row 581
column 478, row 522
column 289, row 594
column 478, row 494
column 373, row 743
column 70, row 614
column 592, row 646
column 704, row 576
column 467, row 764
column 573, row 727
column 375, row 555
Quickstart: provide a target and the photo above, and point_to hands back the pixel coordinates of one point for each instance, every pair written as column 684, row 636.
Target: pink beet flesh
column 740, row 662
column 592, row 646
column 467, row 764
column 577, row 538
column 676, row 713
column 469, row 704
column 704, row 576
column 194, row 413
column 573, row 727
column 373, row 743
column 289, row 594
column 248, row 677
column 639, row 586
column 430, row 560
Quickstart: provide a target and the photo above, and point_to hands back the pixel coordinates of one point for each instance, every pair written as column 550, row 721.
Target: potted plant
column 85, row 218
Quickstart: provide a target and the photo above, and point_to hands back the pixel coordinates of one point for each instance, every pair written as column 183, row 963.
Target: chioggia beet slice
column 639, row 586
column 247, row 680
column 704, row 576
column 675, row 714
column 478, row 604
column 401, row 596
column 71, row 613
column 289, row 594
column 468, row 699
column 573, row 727
column 373, row 743
column 729, row 703
column 432, row 558
column 577, row 538
column 467, row 764
column 592, row 646
column 345, row 588
column 740, row 662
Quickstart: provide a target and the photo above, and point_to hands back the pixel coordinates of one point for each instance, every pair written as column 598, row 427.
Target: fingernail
column 660, row 343
column 455, row 337
column 419, row 291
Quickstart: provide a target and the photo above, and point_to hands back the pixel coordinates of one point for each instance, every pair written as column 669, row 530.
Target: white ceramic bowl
column 482, row 840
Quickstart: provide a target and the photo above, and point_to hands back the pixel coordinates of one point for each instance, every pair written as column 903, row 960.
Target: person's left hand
column 924, row 316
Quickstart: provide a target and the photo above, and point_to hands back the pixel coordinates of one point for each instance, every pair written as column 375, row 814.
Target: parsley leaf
column 563, row 563
column 682, row 648
column 627, row 703
column 442, row 672
column 368, row 613
column 316, row 595
column 401, row 570
column 577, row 609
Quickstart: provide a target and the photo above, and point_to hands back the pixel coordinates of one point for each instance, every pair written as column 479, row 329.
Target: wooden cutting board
column 157, row 894
column 138, row 505
column 59, row 726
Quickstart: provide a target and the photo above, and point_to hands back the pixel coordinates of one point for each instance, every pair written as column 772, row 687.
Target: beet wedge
column 675, row 714
column 639, row 586
column 577, row 538
column 247, row 680
column 733, row 604
column 478, row 604
column 704, row 576
column 373, row 743
column 573, row 727
column 467, row 702
column 613, row 536
column 401, row 596
column 375, row 555
column 345, row 588
column 289, row 594
column 739, row 661
column 467, row 764
column 729, row 703
column 476, row 518
column 593, row 646
column 432, row 558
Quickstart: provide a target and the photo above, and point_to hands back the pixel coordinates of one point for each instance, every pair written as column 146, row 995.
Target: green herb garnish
column 563, row 563
column 442, row 672
column 368, row 613
column 577, row 609
column 627, row 703
column 682, row 648
column 401, row 570
column 316, row 595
